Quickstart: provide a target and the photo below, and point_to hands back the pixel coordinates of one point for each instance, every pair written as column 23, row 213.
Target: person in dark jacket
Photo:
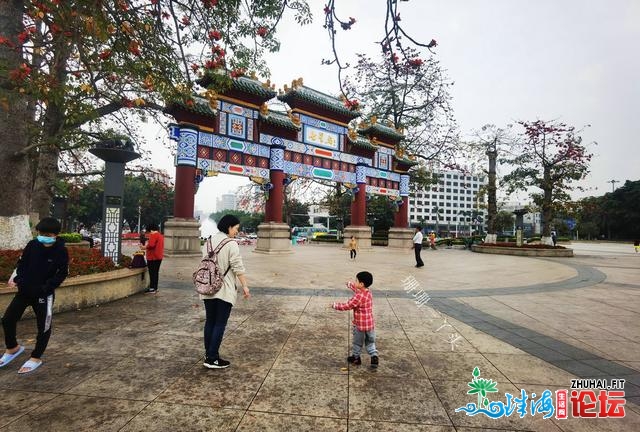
column 41, row 269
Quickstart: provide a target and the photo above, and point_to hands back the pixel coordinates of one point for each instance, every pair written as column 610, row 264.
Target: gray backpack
column 208, row 279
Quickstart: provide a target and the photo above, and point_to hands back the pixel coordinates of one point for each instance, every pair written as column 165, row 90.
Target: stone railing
column 89, row 290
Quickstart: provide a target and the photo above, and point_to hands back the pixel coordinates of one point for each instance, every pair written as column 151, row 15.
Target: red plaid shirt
column 362, row 305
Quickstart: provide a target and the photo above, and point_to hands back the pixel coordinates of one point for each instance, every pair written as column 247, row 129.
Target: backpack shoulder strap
column 218, row 249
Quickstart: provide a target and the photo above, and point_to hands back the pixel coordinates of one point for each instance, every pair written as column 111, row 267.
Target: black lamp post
column 115, row 153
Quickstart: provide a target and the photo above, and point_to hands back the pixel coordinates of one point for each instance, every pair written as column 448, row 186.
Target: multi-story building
column 451, row 207
column 226, row 202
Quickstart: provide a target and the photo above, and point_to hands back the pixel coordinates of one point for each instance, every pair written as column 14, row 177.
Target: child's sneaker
column 354, row 360
column 374, row 362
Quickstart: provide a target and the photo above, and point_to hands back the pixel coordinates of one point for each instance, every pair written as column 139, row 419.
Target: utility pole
column 613, row 184
column 139, row 214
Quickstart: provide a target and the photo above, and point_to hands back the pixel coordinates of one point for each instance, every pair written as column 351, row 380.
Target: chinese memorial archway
column 235, row 133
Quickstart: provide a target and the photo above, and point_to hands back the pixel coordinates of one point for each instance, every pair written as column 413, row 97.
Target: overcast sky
column 575, row 61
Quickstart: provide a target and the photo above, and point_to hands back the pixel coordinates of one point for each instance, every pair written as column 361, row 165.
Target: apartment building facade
column 453, row 207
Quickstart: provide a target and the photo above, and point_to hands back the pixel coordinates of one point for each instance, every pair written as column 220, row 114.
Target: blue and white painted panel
column 404, row 185
column 229, row 168
column 237, row 126
column 276, row 161
column 238, row 110
column 216, row 141
column 298, row 147
column 309, row 171
column 187, row 146
column 387, row 175
column 321, row 124
column 361, row 174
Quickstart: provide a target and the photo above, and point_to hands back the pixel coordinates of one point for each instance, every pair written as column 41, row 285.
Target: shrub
column 81, row 262
column 70, row 237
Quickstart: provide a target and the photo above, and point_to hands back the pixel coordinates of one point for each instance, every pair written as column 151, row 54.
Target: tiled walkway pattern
column 134, row 365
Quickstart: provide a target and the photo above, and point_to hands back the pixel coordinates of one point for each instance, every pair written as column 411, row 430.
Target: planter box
column 88, row 290
column 530, row 252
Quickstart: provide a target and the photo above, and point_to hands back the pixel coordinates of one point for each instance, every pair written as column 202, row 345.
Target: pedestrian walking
column 417, row 246
column 353, row 248
column 41, row 269
column 218, row 306
column 363, row 324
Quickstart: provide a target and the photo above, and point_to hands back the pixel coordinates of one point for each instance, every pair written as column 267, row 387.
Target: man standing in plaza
column 417, row 246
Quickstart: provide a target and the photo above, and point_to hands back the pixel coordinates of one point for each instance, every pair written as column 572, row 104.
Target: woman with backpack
column 218, row 306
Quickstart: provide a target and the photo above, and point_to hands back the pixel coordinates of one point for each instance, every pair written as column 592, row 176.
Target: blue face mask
column 46, row 240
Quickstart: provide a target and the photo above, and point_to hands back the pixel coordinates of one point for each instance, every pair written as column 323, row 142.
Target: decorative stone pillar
column 182, row 231
column 400, row 236
column 359, row 228
column 115, row 154
column 273, row 235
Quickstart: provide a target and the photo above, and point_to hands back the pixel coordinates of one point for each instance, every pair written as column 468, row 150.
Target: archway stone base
column 361, row 233
column 400, row 238
column 273, row 239
column 182, row 237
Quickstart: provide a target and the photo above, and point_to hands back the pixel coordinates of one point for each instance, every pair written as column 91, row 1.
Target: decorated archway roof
column 301, row 93
column 199, row 105
column 380, row 130
column 361, row 141
column 402, row 159
column 279, row 119
column 243, row 84
column 254, row 87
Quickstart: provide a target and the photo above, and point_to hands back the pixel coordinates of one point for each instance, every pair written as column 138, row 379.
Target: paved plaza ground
column 526, row 323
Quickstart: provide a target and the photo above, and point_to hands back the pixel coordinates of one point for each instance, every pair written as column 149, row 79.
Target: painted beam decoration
column 234, row 143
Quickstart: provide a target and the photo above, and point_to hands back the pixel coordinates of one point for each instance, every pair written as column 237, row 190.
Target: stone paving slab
column 533, row 324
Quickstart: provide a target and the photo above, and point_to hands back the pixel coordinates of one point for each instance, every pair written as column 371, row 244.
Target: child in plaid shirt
column 363, row 327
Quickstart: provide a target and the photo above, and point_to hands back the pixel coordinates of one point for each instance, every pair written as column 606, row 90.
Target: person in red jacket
column 155, row 252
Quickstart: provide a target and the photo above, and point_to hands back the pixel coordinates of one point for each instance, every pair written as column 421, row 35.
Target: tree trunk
column 546, row 203
column 14, row 122
column 492, row 208
column 53, row 123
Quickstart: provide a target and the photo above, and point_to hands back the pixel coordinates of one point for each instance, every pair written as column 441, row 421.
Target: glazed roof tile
column 363, row 142
column 382, row 130
column 317, row 98
column 279, row 119
column 200, row 106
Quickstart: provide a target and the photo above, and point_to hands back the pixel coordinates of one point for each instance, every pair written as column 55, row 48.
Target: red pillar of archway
column 359, row 207
column 401, row 219
column 273, row 206
column 183, row 204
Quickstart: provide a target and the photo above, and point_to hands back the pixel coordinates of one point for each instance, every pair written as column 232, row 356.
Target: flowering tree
column 413, row 95
column 549, row 156
column 72, row 73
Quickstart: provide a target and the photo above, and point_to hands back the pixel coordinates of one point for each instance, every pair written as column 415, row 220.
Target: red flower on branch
column 215, row 35
column 237, row 73
column 185, row 20
column 352, row 104
column 432, row 44
column 134, row 48
column 262, row 31
column 105, row 54
column 209, row 3
column 21, row 73
column 327, row 10
column 415, row 62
